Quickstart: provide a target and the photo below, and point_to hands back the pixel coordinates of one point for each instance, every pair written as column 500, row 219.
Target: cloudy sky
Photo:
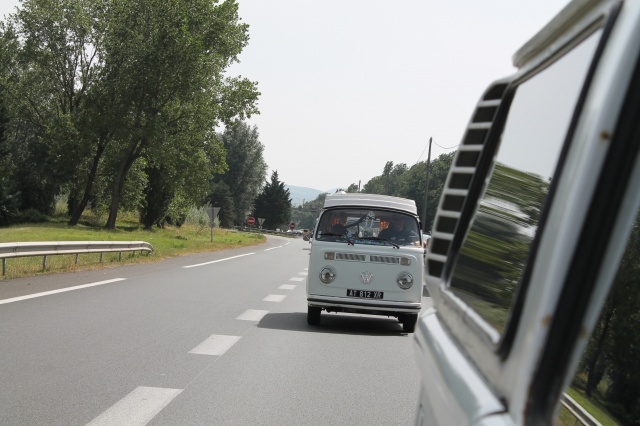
column 348, row 85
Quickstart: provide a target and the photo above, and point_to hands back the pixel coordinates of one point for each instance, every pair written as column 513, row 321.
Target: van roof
column 549, row 39
column 370, row 200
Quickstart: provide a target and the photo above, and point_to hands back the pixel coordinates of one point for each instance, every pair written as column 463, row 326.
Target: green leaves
column 106, row 87
column 273, row 204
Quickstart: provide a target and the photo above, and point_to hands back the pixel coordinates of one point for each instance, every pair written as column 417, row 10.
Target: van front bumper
column 374, row 307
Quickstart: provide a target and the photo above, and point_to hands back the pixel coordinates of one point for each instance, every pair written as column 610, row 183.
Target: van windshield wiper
column 333, row 234
column 381, row 239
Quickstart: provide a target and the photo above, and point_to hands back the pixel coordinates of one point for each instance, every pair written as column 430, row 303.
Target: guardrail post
column 100, row 257
column 77, row 258
column 4, row 266
column 119, row 256
column 44, row 262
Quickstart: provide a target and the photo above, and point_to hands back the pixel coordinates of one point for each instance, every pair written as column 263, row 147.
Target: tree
column 614, row 347
column 51, row 64
column 246, row 172
column 8, row 201
column 353, row 188
column 165, row 64
column 400, row 181
column 220, row 195
column 273, row 203
column 413, row 182
column 389, row 182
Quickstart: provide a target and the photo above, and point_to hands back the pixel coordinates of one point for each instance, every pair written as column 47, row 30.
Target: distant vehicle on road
column 366, row 258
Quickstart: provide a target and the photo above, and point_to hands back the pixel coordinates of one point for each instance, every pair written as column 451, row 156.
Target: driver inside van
column 399, row 230
column 338, row 222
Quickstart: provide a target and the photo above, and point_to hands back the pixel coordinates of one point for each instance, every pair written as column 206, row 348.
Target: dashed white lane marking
column 252, row 315
column 287, row 243
column 273, row 248
column 216, row 344
column 296, row 279
column 62, row 290
column 303, row 273
column 274, row 298
column 287, row 287
column 219, row 260
column 137, row 408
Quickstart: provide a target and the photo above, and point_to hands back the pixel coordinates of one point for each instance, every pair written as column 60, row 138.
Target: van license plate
column 365, row 294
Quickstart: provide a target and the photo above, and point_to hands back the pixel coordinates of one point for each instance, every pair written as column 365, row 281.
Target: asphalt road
column 208, row 339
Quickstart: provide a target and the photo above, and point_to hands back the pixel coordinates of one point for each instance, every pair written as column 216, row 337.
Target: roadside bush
column 30, row 216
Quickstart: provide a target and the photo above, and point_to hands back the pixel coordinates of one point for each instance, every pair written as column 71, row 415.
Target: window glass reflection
column 493, row 256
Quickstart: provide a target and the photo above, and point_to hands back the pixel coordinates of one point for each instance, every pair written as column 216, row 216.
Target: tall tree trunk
column 118, row 184
column 77, row 212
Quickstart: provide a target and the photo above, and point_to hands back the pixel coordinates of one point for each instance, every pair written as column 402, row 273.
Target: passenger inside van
column 400, row 230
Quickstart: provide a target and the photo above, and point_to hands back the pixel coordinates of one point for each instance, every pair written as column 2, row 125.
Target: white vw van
column 537, row 233
column 367, row 258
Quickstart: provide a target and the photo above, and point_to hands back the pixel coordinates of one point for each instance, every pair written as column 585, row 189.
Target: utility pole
column 426, row 191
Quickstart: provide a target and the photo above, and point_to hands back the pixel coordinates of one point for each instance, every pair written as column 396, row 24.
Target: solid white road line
column 137, row 408
column 62, row 290
column 219, row 260
column 216, row 344
column 252, row 315
column 287, row 287
column 296, row 279
column 303, row 273
column 274, row 298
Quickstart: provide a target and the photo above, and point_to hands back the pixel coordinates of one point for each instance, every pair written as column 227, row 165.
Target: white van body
column 356, row 265
column 532, row 224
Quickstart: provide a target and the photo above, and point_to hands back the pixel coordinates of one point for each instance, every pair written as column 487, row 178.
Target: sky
column 348, row 85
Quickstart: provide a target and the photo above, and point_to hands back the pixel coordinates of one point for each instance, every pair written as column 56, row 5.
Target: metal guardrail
column 52, row 248
column 266, row 231
column 581, row 415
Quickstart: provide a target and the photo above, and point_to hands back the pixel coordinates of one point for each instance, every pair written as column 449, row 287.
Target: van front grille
column 351, row 257
column 385, row 259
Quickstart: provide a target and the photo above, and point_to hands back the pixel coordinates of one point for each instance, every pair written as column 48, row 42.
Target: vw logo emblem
column 366, row 277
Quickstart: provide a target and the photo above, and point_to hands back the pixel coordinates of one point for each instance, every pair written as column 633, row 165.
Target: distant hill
column 300, row 194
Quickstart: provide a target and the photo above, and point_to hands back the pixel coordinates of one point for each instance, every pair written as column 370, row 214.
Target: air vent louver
column 350, row 257
column 460, row 179
column 384, row 259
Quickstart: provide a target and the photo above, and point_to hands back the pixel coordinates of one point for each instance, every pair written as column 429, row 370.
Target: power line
column 451, row 147
column 441, row 147
column 425, row 148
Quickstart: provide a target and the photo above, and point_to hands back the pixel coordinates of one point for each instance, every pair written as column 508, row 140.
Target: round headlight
column 405, row 280
column 327, row 274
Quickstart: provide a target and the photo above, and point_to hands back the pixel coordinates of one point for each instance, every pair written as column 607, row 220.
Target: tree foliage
column 400, row 181
column 614, row 347
column 109, row 97
column 246, row 172
column 273, row 204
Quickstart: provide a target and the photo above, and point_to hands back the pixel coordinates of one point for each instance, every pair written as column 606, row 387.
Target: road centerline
column 274, row 298
column 216, row 344
column 252, row 315
column 137, row 408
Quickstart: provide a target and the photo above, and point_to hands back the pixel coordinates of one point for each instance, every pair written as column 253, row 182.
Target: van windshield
column 368, row 226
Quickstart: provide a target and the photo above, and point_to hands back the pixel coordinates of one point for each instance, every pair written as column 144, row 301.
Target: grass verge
column 167, row 242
